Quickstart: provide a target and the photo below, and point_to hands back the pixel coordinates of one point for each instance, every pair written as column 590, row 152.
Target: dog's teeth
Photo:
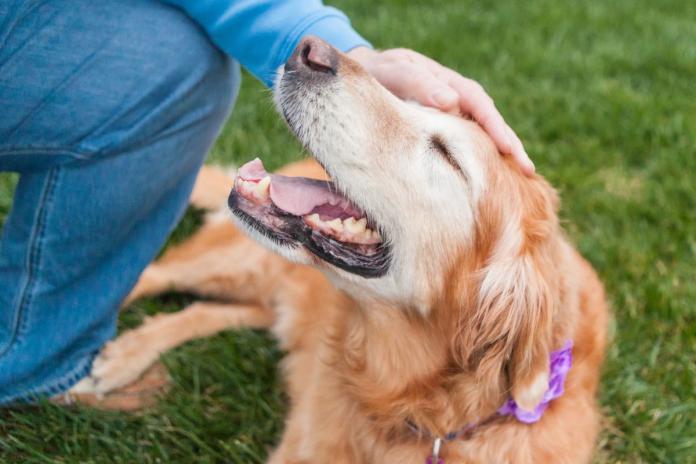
column 355, row 227
column 349, row 230
column 313, row 219
column 263, row 186
column 336, row 225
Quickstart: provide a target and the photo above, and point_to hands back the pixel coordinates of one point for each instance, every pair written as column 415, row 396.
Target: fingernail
column 531, row 168
column 443, row 97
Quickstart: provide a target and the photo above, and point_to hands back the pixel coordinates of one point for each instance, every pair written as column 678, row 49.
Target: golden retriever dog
column 431, row 307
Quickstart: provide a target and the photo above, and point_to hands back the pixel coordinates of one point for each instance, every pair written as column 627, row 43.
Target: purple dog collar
column 560, row 362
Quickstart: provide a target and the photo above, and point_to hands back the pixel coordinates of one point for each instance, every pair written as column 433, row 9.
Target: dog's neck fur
column 390, row 371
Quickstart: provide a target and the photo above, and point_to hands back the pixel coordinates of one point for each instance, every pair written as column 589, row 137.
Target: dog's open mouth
column 301, row 211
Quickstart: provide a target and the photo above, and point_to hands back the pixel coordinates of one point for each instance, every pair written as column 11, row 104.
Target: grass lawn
column 604, row 95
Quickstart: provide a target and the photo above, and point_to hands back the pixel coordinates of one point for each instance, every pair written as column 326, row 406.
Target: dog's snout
column 314, row 55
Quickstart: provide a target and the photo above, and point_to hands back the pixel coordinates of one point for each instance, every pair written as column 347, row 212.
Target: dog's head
column 421, row 212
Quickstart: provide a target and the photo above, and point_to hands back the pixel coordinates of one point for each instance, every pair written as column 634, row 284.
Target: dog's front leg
column 310, row 441
column 124, row 359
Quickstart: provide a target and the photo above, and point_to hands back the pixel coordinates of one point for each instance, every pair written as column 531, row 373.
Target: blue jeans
column 107, row 109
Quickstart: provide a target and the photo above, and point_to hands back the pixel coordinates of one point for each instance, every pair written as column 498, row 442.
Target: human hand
column 412, row 76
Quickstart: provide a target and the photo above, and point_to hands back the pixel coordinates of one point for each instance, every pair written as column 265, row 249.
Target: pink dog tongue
column 297, row 195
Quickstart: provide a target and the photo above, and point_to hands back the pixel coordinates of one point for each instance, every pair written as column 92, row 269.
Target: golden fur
column 358, row 368
column 354, row 374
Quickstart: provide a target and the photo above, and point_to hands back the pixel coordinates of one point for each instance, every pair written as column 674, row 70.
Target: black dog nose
column 314, row 54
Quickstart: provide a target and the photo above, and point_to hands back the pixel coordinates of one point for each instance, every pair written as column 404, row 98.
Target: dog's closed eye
column 440, row 147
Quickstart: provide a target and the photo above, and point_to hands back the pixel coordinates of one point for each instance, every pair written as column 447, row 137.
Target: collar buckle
column 435, row 456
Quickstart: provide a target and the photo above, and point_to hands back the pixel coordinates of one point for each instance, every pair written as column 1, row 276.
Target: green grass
column 604, row 96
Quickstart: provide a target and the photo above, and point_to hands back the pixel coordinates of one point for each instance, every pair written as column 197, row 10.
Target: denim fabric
column 107, row 109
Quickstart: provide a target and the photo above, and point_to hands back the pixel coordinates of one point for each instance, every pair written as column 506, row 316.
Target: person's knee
column 192, row 64
column 182, row 78
column 115, row 74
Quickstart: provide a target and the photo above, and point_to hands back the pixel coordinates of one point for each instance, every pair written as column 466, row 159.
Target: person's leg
column 107, row 111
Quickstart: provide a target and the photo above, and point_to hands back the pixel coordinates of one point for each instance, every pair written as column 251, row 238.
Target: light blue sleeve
column 261, row 34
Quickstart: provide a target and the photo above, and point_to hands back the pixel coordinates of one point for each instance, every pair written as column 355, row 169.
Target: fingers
column 445, row 98
column 475, row 101
column 442, row 95
column 519, row 154
column 413, row 82
column 412, row 76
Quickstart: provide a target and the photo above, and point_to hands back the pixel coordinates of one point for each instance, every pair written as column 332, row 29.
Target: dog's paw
column 119, row 363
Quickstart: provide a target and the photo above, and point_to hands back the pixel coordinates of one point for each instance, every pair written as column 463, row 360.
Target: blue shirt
column 261, row 34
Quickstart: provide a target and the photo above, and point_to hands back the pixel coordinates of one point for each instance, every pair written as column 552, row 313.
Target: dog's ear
column 508, row 328
column 511, row 328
